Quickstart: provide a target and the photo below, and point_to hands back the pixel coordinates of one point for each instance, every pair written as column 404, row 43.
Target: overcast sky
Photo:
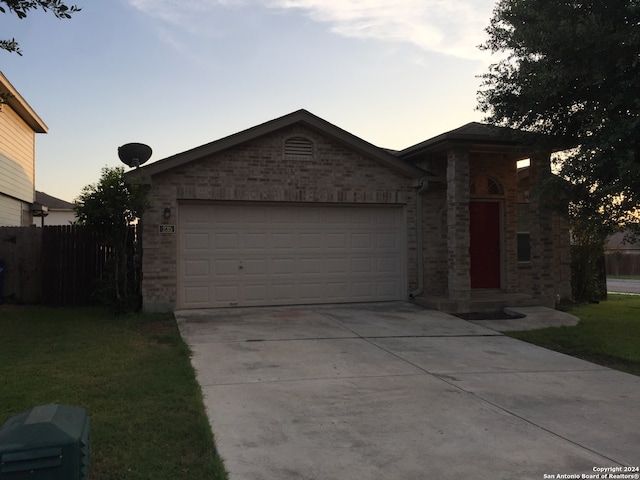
column 176, row 74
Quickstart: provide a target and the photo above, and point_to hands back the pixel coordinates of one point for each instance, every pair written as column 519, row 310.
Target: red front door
column 484, row 248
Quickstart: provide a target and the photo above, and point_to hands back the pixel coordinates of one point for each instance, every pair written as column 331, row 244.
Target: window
column 524, row 239
column 298, row 147
column 486, row 186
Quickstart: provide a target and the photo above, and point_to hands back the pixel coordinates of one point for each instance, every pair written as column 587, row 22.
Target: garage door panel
column 360, row 290
column 310, row 266
column 310, row 240
column 387, row 264
column 282, row 240
column 225, row 241
column 254, row 240
column 257, row 294
column 197, row 241
column 283, row 266
column 273, row 255
column 282, row 291
column 361, row 240
column 361, row 265
column 387, row 241
column 196, row 268
column 198, row 295
column 225, row 294
column 336, row 266
column 225, row 268
column 335, row 240
column 386, row 289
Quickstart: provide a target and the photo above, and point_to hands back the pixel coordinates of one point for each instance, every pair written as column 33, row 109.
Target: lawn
column 608, row 334
column 132, row 374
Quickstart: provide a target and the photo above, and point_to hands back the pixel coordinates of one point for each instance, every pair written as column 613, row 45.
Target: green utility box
column 49, row 442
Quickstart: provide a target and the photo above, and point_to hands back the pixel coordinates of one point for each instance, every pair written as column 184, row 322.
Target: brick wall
column 258, row 171
column 445, row 228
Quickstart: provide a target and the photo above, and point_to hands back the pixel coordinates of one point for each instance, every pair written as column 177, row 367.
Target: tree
column 22, row 7
column 110, row 207
column 570, row 70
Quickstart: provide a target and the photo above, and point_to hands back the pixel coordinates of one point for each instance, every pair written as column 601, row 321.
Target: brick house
column 299, row 211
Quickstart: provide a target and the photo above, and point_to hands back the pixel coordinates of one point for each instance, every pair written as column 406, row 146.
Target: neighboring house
column 622, row 255
column 18, row 127
column 58, row 212
column 299, row 211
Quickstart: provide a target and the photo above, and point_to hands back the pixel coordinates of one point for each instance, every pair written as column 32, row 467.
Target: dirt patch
column 159, row 327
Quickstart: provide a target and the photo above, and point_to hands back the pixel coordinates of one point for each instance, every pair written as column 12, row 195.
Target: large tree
column 110, row 207
column 22, row 7
column 571, row 69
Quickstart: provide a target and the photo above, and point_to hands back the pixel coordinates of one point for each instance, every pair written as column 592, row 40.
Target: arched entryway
column 485, row 232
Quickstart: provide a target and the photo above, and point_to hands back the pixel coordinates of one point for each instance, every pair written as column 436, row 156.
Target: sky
column 177, row 74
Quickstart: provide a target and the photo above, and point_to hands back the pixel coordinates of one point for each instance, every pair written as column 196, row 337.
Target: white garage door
column 249, row 255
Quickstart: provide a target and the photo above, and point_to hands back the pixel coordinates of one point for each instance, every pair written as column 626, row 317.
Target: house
column 58, row 211
column 19, row 124
column 299, row 211
column 622, row 254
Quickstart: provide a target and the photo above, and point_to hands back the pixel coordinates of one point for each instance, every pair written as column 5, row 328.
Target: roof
column 623, row 242
column 52, row 202
column 298, row 117
column 21, row 107
column 476, row 135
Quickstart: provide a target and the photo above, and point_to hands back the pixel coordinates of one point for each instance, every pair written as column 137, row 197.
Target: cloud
column 442, row 26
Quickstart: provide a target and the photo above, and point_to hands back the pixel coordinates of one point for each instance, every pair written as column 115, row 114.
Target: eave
column 19, row 105
column 298, row 117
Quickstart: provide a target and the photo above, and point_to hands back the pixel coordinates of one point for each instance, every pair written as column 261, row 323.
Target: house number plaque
column 167, row 229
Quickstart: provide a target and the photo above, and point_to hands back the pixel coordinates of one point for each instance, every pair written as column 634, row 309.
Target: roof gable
column 299, row 117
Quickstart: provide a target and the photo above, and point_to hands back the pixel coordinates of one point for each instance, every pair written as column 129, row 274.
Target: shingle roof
column 53, row 202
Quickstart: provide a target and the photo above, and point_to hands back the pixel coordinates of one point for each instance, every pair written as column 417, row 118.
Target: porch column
column 458, row 228
column 541, row 233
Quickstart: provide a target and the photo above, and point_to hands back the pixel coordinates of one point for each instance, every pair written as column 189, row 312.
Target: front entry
column 484, row 250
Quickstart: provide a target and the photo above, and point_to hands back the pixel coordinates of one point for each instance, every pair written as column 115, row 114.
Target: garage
column 251, row 254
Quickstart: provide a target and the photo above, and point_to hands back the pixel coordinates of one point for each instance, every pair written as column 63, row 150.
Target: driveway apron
column 395, row 391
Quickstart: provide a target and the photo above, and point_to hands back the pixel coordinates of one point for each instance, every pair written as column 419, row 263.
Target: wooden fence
column 21, row 255
column 621, row 264
column 57, row 265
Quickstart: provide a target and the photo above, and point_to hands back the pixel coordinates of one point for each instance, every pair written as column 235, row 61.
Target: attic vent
column 298, row 147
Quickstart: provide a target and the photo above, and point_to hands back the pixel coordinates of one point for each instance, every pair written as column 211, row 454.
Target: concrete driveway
column 394, row 391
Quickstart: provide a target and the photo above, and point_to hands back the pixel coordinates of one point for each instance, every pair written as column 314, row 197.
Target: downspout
column 423, row 185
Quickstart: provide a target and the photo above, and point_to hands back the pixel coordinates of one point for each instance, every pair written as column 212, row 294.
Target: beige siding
column 17, row 155
column 10, row 211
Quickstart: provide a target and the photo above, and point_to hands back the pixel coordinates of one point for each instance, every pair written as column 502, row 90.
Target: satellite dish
column 134, row 154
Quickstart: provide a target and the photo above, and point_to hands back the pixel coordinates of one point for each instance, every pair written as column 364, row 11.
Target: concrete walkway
column 393, row 391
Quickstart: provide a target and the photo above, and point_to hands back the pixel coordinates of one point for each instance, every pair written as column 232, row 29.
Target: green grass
column 608, row 334
column 133, row 375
